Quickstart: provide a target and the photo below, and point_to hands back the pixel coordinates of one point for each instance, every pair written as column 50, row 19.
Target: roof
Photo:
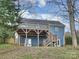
column 40, row 21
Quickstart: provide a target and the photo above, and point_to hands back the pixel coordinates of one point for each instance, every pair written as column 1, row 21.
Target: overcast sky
column 43, row 10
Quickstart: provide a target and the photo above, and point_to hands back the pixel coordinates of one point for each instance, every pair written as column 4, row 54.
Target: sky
column 42, row 10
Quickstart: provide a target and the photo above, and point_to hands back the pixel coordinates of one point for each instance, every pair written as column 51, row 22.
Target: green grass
column 28, row 56
column 6, row 46
column 54, row 53
column 39, row 53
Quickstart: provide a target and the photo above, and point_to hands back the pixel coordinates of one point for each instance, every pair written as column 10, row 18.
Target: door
column 58, row 42
column 29, row 44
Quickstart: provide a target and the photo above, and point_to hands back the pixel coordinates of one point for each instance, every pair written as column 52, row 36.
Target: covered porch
column 31, row 37
column 34, row 37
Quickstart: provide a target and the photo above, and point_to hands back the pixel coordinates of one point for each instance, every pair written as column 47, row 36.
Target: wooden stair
column 51, row 40
column 47, row 42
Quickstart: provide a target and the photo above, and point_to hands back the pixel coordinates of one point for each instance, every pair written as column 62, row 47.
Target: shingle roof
column 39, row 21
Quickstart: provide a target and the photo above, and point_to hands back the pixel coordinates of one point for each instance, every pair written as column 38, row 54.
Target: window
column 56, row 29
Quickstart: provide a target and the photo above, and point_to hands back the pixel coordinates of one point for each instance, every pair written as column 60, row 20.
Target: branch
column 25, row 10
column 76, row 21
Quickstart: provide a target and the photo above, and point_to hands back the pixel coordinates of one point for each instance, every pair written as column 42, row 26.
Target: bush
column 78, row 39
column 3, row 37
column 68, row 40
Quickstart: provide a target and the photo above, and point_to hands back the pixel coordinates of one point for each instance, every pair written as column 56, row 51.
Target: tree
column 9, row 15
column 23, row 6
column 7, row 18
column 70, row 4
column 7, row 11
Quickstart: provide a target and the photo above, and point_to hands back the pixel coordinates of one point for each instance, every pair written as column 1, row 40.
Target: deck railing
column 52, row 40
column 34, row 26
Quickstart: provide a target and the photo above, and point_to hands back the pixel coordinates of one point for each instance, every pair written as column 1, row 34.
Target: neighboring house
column 36, row 32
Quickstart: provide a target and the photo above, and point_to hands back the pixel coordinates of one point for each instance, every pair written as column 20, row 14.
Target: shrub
column 68, row 40
column 3, row 37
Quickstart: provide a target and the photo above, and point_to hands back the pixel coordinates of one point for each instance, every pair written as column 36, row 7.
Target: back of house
column 36, row 32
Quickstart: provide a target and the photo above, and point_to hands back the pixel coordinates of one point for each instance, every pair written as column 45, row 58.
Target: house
column 36, row 32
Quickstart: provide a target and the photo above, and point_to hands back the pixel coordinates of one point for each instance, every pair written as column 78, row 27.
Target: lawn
column 53, row 53
column 6, row 46
column 9, row 52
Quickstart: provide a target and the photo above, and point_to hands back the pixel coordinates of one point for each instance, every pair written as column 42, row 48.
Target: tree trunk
column 70, row 5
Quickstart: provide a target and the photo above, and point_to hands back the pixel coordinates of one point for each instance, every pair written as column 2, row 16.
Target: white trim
column 16, row 37
column 58, row 42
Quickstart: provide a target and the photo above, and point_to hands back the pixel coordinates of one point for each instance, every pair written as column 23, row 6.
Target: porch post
column 38, row 37
column 25, row 44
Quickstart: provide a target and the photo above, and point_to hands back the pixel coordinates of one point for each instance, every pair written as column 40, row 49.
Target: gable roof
column 39, row 21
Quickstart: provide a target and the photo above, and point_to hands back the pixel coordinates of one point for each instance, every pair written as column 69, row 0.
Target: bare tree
column 23, row 5
column 70, row 4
